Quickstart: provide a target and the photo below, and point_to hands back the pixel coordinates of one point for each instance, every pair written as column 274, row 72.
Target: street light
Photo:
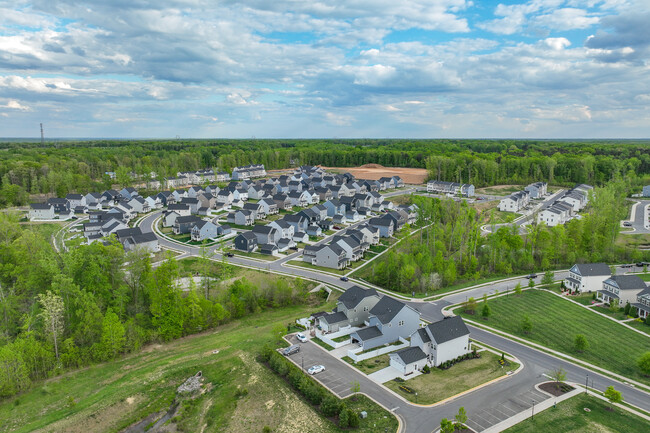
column 586, row 383
column 533, row 412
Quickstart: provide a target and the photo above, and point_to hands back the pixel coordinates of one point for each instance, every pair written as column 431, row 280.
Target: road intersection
column 486, row 406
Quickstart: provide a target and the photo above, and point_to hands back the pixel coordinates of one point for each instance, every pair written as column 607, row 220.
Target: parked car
column 316, row 369
column 336, row 228
column 293, row 248
column 301, row 338
column 531, row 276
column 344, row 278
column 627, row 224
column 230, row 255
column 291, row 350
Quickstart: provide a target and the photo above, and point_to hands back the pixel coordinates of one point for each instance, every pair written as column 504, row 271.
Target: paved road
column 641, row 223
column 486, row 406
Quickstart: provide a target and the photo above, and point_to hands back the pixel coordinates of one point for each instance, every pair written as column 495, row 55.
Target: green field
column 108, row 397
column 556, row 323
column 570, row 416
column 441, row 384
column 371, row 365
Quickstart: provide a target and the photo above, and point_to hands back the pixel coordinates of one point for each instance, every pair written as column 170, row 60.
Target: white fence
column 329, row 338
column 354, row 353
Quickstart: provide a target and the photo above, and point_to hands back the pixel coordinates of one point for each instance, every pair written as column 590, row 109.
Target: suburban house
column 298, row 222
column 587, row 277
column 537, row 189
column 224, row 197
column 330, row 256
column 61, row 205
column 355, row 304
column 203, row 230
column 266, row 234
column 434, row 344
column 623, row 288
column 268, row 206
column 385, row 226
column 256, row 210
column 132, row 238
column 241, row 218
column 642, row 304
column 269, row 249
column 76, row 200
column 450, row 188
column 184, row 224
column 193, row 203
column 388, row 320
column 246, row 241
column 558, row 213
column 646, row 191
column 93, row 200
column 169, row 218
column 515, row 202
column 286, row 230
column 41, row 211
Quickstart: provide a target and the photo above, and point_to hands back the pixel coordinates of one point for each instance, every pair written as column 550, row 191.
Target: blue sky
column 337, row 68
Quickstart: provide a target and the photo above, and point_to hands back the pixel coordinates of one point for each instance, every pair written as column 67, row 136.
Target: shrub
column 344, row 418
column 330, row 406
column 241, row 392
column 353, row 419
column 426, row 369
column 266, row 429
column 295, row 376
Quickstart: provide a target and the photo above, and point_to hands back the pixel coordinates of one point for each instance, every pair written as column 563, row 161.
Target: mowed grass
column 441, row 384
column 556, row 322
column 370, row 365
column 570, row 416
column 109, row 397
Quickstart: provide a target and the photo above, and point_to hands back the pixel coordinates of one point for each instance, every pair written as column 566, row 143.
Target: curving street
column 486, row 406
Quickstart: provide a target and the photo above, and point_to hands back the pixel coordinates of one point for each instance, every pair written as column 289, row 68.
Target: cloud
column 12, row 104
column 339, row 119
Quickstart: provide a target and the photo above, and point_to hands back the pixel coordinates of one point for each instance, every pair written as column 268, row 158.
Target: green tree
column 548, row 279
column 580, row 343
column 518, row 289
column 14, row 376
column 461, row 418
column 526, row 325
column 470, row 306
column 166, row 303
column 486, row 311
column 613, row 305
column 613, row 395
column 355, row 387
column 446, row 426
column 52, row 315
column 644, row 363
column 558, row 375
column 344, row 418
column 113, row 335
column 531, row 283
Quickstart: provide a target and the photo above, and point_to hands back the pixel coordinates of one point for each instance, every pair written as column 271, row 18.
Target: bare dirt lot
column 376, row 171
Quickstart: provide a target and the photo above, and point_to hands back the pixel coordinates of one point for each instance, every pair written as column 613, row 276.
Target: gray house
column 241, row 217
column 355, row 304
column 330, row 256
column 622, row 288
column 203, row 230
column 385, row 226
column 246, row 241
column 286, row 230
column 184, row 224
column 266, row 234
column 389, row 320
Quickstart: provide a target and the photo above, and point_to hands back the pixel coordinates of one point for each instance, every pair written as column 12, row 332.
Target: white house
column 514, row 202
column 623, row 288
column 537, row 189
column 41, row 211
column 587, row 277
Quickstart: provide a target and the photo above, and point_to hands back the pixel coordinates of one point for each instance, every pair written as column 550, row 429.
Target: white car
column 301, row 338
column 316, row 369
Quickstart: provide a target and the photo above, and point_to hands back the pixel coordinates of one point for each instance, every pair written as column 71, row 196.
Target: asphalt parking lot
column 490, row 416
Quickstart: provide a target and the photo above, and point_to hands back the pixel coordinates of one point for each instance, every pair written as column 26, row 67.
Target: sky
column 325, row 69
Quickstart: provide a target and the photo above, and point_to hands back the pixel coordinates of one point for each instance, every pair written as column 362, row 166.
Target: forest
column 62, row 167
column 61, row 311
column 450, row 249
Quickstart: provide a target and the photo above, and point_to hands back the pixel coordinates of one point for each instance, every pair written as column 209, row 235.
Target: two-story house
column 355, row 304
column 587, row 277
column 246, row 241
column 388, row 320
column 622, row 288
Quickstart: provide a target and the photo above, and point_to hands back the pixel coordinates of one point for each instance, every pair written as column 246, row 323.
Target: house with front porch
column 642, row 304
column 355, row 304
column 246, row 241
column 587, row 277
column 621, row 288
column 388, row 321
column 203, row 230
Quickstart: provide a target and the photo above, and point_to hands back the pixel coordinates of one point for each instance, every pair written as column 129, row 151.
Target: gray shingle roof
column 335, row 317
column 368, row 333
column 411, row 354
column 424, row 336
column 627, row 282
column 386, row 309
column 593, row 269
column 448, row 329
column 354, row 295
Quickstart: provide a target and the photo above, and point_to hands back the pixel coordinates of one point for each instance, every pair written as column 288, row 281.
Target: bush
column 266, row 429
column 353, row 419
column 330, row 406
column 295, row 376
column 241, row 392
column 344, row 418
column 426, row 369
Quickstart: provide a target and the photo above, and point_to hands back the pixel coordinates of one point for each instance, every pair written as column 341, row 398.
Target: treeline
column 64, row 311
column 450, row 250
column 63, row 167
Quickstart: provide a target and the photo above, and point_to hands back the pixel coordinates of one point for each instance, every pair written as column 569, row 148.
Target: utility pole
column 586, row 383
column 42, row 136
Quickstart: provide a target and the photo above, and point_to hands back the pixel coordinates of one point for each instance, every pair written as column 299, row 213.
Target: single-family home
column 241, row 217
column 61, row 205
column 266, row 234
column 169, row 218
column 269, row 249
column 286, row 230
column 385, row 226
column 203, row 230
column 41, row 211
column 587, row 277
column 184, row 224
column 268, row 206
column 181, row 209
column 225, row 197
column 622, row 288
column 76, row 200
column 515, row 202
column 300, row 237
column 298, row 222
column 284, row 244
column 256, row 210
column 246, row 241
column 388, row 320
column 642, row 304
column 330, row 256
column 352, row 308
column 537, row 189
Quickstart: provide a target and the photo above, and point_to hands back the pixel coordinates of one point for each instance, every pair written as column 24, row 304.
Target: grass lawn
column 499, row 217
column 306, row 265
column 321, row 343
column 583, row 298
column 371, row 365
column 341, row 339
column 441, row 384
column 113, row 395
column 557, row 322
column 640, row 326
column 266, row 257
column 618, row 315
column 570, row 416
column 645, row 277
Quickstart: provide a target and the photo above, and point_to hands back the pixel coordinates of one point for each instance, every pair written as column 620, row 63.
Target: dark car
column 641, row 264
column 531, row 276
column 336, row 228
column 344, row 278
column 230, row 255
column 291, row 350
column 293, row 248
